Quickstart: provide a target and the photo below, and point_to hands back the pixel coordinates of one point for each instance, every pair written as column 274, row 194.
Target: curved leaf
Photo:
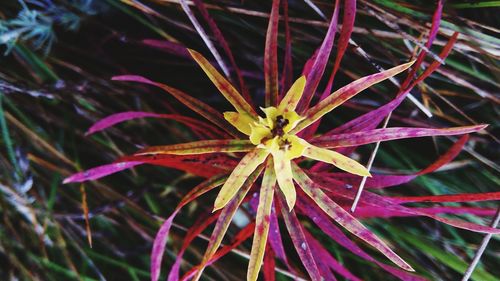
column 116, row 118
column 320, row 62
column 162, row 235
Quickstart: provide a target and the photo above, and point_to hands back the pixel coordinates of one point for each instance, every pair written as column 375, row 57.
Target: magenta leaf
column 387, row 134
column 298, row 239
column 101, row 171
column 320, row 61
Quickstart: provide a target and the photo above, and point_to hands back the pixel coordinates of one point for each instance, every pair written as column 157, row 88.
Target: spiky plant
column 277, row 145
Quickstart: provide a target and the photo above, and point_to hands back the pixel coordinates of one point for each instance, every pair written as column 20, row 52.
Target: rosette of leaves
column 263, row 154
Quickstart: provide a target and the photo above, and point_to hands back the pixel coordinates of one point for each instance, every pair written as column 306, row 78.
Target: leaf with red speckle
column 320, row 61
column 298, row 239
column 224, row 86
column 225, row 219
column 387, row 134
column 271, row 57
column 239, row 176
column 196, row 105
column 345, row 93
column 162, row 234
column 338, row 160
column 116, row 118
column 262, row 220
column 225, row 46
column 344, row 218
column 199, row 147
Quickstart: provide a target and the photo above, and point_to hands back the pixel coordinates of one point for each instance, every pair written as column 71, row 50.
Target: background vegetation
column 55, row 83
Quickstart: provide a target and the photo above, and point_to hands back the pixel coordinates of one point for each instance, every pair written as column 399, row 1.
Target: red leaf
column 345, row 36
column 287, row 75
column 269, row 265
column 225, row 46
column 371, row 119
column 310, row 209
column 197, row 106
column 162, row 234
column 198, row 227
column 322, row 255
column 271, row 57
column 168, row 47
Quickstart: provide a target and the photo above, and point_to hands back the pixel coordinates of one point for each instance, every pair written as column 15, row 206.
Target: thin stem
column 368, row 167
column 482, row 248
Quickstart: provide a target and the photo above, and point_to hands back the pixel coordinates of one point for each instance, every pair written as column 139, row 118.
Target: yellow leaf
column 338, row 160
column 293, row 119
column 229, row 92
column 345, row 93
column 240, row 121
column 247, row 165
column 283, row 170
column 295, row 147
column 271, row 114
column 259, row 132
column 292, row 97
column 262, row 222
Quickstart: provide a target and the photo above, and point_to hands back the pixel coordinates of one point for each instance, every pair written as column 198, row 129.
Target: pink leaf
column 101, row 171
column 387, row 134
column 320, row 62
column 345, row 35
column 298, row 238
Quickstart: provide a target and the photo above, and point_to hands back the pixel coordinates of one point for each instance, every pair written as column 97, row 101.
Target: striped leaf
column 262, row 222
column 227, row 90
column 225, row 218
column 338, row 160
column 241, row 172
column 344, row 218
column 199, row 147
column 345, row 93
